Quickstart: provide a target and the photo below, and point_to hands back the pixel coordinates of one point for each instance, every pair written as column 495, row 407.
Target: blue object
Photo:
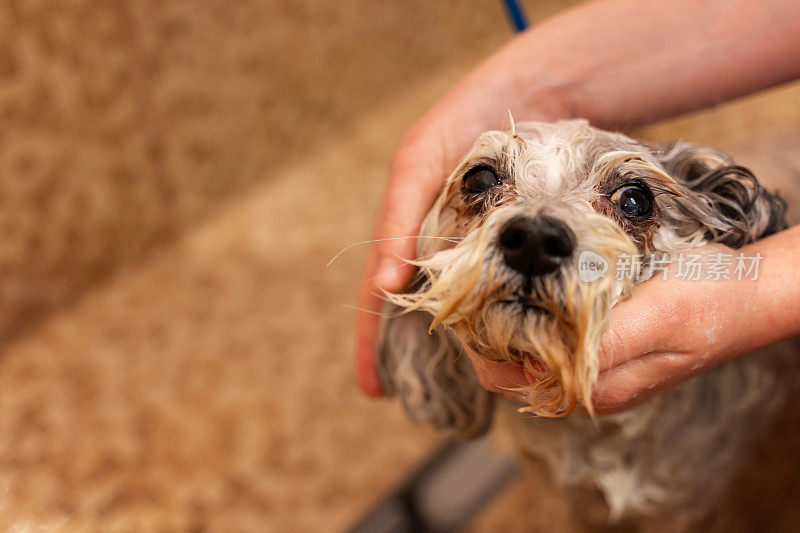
column 516, row 15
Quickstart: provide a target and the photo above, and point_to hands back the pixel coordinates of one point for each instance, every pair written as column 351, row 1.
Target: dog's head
column 519, row 233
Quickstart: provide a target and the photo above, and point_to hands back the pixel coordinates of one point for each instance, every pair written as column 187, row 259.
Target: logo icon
column 591, row 266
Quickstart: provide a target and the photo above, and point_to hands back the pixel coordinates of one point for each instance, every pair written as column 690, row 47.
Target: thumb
column 635, row 326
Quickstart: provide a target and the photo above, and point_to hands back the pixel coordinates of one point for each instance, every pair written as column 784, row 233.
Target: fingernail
column 529, row 377
column 387, row 275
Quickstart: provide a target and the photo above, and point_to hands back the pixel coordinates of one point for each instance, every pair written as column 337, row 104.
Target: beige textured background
column 174, row 355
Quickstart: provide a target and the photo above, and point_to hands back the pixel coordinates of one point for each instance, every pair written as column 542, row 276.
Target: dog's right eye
column 480, row 179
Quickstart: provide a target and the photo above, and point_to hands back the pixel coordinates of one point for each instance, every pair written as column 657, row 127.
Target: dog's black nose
column 536, row 246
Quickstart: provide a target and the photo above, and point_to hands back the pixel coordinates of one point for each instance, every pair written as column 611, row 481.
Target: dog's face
column 524, row 209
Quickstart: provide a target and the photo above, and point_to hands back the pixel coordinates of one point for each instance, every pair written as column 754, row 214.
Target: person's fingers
column 413, row 184
column 389, row 276
column 630, row 332
column 367, row 326
column 639, row 379
column 498, row 377
column 645, row 323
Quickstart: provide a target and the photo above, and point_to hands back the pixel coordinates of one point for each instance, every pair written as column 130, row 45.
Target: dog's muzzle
column 534, row 246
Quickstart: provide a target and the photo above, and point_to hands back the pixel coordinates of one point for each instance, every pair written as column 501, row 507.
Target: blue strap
column 516, row 15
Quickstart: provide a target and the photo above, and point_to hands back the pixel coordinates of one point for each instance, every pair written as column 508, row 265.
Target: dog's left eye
column 636, row 201
column 480, row 179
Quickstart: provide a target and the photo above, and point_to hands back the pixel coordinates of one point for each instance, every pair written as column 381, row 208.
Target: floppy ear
column 727, row 203
column 433, row 378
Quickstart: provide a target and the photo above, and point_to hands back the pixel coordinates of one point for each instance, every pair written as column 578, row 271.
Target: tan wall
column 121, row 122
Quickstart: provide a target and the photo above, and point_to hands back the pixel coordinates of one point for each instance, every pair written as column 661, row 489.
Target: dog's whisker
column 364, row 310
column 387, row 316
column 371, row 241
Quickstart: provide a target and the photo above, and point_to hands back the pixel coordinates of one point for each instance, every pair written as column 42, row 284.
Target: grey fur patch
column 728, row 198
column 428, row 371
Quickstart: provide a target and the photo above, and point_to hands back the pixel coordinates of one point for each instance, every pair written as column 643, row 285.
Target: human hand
column 575, row 65
column 672, row 329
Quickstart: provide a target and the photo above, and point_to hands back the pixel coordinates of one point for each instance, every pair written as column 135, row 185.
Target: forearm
column 669, row 58
column 621, row 63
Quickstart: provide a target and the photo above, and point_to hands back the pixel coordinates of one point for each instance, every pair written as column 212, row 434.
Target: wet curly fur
column 674, row 452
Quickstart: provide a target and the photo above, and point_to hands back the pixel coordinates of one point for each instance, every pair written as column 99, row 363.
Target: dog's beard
column 550, row 325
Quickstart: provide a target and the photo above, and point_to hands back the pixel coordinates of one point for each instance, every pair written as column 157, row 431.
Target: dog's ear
column 727, row 202
column 434, row 379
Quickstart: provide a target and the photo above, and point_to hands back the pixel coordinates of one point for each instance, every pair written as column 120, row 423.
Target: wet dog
column 500, row 270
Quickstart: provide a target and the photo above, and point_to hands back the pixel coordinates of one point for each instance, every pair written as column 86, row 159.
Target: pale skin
column 618, row 63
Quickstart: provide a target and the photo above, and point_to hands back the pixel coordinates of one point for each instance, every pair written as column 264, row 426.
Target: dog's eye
column 480, row 179
column 636, row 201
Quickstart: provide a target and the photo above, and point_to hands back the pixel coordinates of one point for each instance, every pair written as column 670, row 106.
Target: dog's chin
column 533, row 335
column 518, row 316
column 525, row 307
